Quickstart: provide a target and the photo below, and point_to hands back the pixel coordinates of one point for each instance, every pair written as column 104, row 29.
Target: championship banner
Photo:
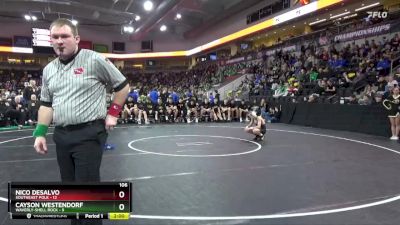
column 372, row 31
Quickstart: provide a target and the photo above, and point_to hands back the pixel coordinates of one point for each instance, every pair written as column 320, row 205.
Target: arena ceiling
column 197, row 15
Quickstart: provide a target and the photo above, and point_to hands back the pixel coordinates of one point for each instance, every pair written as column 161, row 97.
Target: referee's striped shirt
column 76, row 89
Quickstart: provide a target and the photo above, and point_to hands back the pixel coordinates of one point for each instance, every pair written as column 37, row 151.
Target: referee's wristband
column 40, row 131
column 114, row 110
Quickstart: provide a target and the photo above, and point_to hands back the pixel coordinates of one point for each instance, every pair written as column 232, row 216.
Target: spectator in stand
column 4, row 106
column 164, row 95
column 377, row 100
column 263, row 107
column 192, row 109
column 150, row 109
column 206, row 109
column 273, row 115
column 13, row 110
column 320, row 89
column 352, row 100
column 381, row 84
column 211, row 98
column 134, row 94
column 21, row 107
column 391, row 81
column 330, row 88
column 365, row 100
column 216, row 110
column 395, row 42
column 313, row 76
column 217, row 96
column 182, row 110
column 140, row 110
column 33, row 108
column 226, row 110
column 383, row 65
column 243, row 110
column 281, row 90
column 234, row 110
column 160, row 111
column 312, row 98
column 154, row 96
column 172, row 112
column 175, row 97
column 128, row 109
column 31, row 89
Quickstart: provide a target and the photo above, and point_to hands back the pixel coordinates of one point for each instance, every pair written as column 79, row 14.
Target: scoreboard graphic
column 105, row 200
column 41, row 37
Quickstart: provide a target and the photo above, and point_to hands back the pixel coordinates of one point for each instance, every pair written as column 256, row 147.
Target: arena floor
column 214, row 174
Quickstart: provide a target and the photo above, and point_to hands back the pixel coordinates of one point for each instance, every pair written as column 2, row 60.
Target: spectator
column 154, row 96
column 33, row 108
column 352, row 100
column 31, row 89
column 330, row 88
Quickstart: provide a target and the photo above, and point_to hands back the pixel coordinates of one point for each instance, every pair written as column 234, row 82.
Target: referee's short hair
column 61, row 22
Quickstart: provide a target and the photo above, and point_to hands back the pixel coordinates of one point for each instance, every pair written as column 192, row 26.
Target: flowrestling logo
column 380, row 15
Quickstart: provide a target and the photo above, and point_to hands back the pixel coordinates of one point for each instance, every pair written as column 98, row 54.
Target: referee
column 73, row 96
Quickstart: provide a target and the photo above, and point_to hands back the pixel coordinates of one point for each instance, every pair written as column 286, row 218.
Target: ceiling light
column 350, row 16
column 137, row 18
column 318, row 21
column 163, row 28
column 27, row 17
column 148, row 5
column 128, row 29
column 178, row 16
column 339, row 15
column 74, row 22
column 367, row 6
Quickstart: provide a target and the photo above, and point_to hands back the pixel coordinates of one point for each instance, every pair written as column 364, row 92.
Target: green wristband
column 40, row 131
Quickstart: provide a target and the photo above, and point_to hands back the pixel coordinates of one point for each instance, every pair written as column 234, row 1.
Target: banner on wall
column 6, row 41
column 22, row 41
column 85, row 44
column 235, row 60
column 285, row 49
column 100, row 48
column 372, row 31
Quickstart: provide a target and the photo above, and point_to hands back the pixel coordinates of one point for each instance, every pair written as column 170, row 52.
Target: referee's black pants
column 79, row 152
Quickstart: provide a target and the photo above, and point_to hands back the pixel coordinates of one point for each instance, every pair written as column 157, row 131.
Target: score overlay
column 105, row 200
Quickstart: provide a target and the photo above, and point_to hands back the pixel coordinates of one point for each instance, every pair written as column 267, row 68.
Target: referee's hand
column 111, row 122
column 40, row 145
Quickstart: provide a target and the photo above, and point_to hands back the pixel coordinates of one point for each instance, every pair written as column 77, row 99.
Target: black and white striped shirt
column 76, row 89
